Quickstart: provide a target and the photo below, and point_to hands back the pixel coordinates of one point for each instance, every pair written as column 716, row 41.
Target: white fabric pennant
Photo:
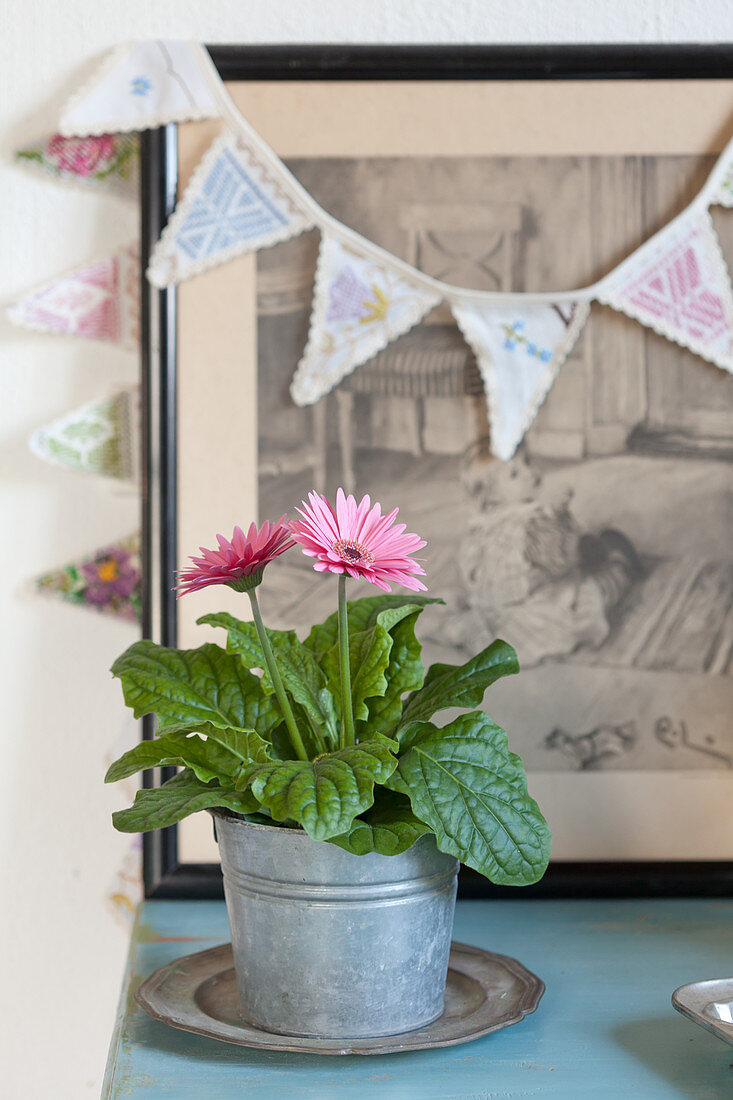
column 359, row 307
column 678, row 284
column 100, row 301
column 519, row 349
column 139, row 86
column 101, row 437
column 233, row 204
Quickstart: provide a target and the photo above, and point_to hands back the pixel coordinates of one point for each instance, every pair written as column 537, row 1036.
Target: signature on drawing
column 676, row 736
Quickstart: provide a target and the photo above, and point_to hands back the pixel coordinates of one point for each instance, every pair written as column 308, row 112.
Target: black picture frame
column 164, row 876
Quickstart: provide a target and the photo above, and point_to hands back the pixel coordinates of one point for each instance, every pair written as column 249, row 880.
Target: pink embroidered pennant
column 680, row 287
column 100, row 302
column 106, row 161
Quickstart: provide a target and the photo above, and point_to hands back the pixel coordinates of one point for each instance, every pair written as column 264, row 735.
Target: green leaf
column 246, row 745
column 190, row 686
column 220, row 756
column 388, row 828
column 459, row 685
column 207, row 759
column 363, row 614
column 472, row 792
column 182, row 795
column 302, row 677
column 368, row 660
column 405, row 672
column 326, row 794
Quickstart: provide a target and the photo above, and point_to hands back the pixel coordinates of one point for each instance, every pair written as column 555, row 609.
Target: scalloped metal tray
column 709, row 1004
column 484, row 992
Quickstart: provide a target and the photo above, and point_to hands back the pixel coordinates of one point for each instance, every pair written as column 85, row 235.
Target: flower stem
column 287, row 711
column 347, row 713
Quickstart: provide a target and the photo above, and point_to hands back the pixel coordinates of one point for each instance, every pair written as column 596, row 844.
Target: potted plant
column 341, row 808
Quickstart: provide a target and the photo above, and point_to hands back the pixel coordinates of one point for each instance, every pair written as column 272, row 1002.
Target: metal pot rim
column 221, row 811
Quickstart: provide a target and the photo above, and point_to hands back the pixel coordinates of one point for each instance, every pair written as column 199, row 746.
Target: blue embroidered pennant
column 232, row 205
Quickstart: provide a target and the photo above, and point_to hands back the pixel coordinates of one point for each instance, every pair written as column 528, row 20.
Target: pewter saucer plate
column 484, row 992
column 709, row 1004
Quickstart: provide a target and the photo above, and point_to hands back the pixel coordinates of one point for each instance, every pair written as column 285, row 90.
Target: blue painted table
column 605, row 1027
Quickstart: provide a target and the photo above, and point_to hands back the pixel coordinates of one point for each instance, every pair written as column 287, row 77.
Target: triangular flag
column 109, row 580
column 108, row 162
column 233, row 204
column 678, row 284
column 100, row 301
column 519, row 349
column 360, row 305
column 142, row 85
column 101, row 437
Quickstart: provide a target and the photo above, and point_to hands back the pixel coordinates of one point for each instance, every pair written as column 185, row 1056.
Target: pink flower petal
column 359, row 540
column 244, row 556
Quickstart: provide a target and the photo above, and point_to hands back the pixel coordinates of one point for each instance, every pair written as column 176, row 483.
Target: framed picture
column 601, row 550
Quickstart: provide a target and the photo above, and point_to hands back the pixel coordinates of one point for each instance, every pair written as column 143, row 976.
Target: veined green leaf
column 208, row 760
column 387, row 610
column 472, row 792
column 301, row 675
column 368, row 659
column 220, row 756
column 326, row 794
column 459, row 685
column 182, row 795
column 405, row 672
column 388, row 828
column 189, row 686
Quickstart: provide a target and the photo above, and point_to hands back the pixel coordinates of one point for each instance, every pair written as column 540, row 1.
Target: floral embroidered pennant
column 100, row 302
column 139, row 86
column 233, row 204
column 107, row 162
column 359, row 307
column 519, row 349
column 678, row 284
column 109, row 580
column 101, row 437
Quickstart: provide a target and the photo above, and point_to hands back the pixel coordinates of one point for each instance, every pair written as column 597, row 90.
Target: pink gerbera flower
column 358, row 540
column 239, row 563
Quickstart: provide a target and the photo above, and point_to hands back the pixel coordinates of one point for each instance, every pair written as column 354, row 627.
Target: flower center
column 107, row 570
column 353, row 552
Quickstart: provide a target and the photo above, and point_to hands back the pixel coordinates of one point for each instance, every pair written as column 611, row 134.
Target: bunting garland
column 99, row 302
column 107, row 162
column 242, row 198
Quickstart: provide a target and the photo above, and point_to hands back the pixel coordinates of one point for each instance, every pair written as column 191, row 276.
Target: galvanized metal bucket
column 333, row 945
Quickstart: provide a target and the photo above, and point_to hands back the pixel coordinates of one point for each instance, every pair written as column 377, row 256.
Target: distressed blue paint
column 604, row 1029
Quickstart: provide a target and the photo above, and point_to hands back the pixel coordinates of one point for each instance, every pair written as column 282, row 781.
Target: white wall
column 61, row 710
